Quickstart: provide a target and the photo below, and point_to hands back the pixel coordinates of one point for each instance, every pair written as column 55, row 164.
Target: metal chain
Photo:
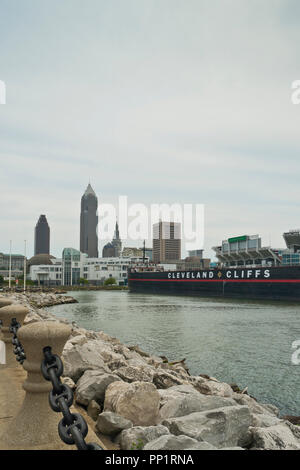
column 18, row 348
column 72, row 428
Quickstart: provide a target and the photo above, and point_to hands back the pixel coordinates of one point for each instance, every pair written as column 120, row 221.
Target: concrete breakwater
column 141, row 401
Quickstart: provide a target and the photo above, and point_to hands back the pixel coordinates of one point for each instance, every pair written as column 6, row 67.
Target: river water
column 243, row 342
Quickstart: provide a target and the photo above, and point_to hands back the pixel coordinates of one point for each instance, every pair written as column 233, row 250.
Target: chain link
column 72, row 428
column 18, row 348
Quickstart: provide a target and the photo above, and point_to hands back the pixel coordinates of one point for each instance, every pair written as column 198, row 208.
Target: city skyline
column 188, row 103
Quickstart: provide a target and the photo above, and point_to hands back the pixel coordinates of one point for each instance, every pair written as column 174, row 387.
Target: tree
column 110, row 281
column 83, row 281
column 1, row 280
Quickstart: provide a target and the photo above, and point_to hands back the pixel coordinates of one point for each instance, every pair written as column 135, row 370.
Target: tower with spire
column 117, row 241
column 114, row 248
column 89, row 223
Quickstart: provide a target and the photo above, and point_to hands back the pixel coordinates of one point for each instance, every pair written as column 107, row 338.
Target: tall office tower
column 89, row 223
column 42, row 237
column 166, row 242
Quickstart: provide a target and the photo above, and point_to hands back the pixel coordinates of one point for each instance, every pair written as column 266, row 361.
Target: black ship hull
column 273, row 283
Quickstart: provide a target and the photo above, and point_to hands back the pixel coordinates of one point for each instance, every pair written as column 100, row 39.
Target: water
column 245, row 342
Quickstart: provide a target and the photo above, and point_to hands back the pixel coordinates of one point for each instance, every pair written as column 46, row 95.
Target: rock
column 263, row 420
column 31, row 317
column 212, row 387
column 272, row 409
column 185, row 404
column 235, row 388
column 292, row 419
column 254, row 406
column 93, row 410
column 78, row 339
column 222, row 427
column 154, row 361
column 137, row 361
column 138, row 350
column 109, row 356
column 138, row 402
column 162, row 379
column 107, row 338
column 181, row 371
column 232, row 448
column 177, row 390
column 135, row 374
column 283, row 436
column 120, row 349
column 111, row 424
column 170, row 442
column 116, row 364
column 80, row 358
column 68, row 381
column 138, row 436
column 92, row 386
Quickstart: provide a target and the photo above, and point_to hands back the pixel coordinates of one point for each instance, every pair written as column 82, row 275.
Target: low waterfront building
column 75, row 266
column 46, row 275
column 193, row 263
column 129, row 251
column 97, row 270
column 148, row 252
column 15, row 274
column 198, row 253
column 17, row 261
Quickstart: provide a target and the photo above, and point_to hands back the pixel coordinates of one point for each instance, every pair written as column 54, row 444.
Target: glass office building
column 71, row 263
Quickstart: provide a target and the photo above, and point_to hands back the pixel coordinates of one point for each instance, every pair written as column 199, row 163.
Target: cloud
column 163, row 102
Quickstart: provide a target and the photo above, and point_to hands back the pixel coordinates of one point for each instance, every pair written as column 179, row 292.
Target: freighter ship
column 265, row 274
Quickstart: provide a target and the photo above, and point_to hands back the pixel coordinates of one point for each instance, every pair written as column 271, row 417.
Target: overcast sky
column 161, row 100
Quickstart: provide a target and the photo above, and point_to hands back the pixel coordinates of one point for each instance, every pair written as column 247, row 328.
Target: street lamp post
column 24, row 265
column 9, row 275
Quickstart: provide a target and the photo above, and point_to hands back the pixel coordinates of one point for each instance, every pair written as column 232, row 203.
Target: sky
column 164, row 101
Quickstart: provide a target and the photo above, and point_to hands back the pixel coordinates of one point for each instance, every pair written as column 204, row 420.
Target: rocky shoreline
column 140, row 401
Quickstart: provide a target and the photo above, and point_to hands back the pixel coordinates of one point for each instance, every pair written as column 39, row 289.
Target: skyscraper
column 42, row 237
column 166, row 242
column 89, row 223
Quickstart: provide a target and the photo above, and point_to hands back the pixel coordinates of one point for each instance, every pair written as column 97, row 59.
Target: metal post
column 24, row 265
column 9, row 276
column 71, row 281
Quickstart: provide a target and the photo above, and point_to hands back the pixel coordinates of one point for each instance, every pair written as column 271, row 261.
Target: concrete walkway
column 11, row 398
